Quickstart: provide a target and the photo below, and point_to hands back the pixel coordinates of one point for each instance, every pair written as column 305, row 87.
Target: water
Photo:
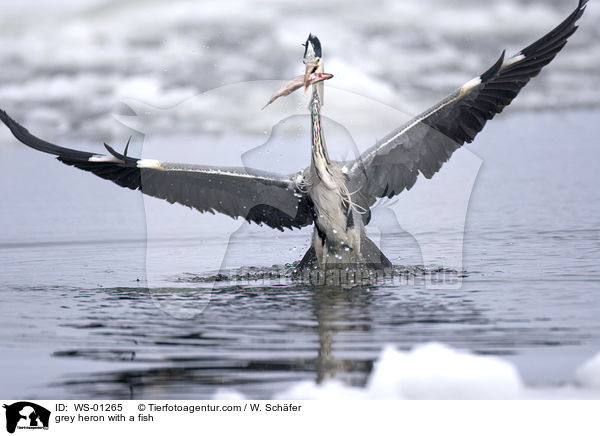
column 77, row 319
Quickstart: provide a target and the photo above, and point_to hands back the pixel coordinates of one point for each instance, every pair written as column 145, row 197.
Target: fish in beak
column 311, row 69
column 298, row 82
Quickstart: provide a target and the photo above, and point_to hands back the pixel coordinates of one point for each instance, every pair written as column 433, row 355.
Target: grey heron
column 334, row 197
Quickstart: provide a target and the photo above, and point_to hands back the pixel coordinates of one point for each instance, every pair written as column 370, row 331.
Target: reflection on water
column 337, row 312
column 251, row 338
column 259, row 340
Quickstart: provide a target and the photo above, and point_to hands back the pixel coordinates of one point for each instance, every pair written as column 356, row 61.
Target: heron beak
column 311, row 67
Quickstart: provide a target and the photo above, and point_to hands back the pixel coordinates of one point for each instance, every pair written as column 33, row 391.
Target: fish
column 296, row 83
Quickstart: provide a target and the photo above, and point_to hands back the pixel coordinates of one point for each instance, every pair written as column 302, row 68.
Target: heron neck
column 319, row 150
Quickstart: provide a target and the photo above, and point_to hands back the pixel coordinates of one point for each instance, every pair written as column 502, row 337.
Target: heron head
column 313, row 70
column 312, row 58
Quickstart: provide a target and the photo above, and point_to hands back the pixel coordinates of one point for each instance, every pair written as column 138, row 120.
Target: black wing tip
column 127, row 147
column 494, row 68
column 578, row 12
column 32, row 141
column 9, row 122
column 112, row 151
column 64, row 154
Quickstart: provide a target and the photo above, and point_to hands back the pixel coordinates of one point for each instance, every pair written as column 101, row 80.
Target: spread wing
column 257, row 196
column 427, row 141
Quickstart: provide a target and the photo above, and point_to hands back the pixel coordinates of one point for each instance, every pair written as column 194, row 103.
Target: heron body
column 334, row 197
column 337, row 228
column 338, row 222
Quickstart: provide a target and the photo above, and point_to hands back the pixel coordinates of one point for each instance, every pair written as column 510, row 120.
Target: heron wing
column 257, row 196
column 423, row 144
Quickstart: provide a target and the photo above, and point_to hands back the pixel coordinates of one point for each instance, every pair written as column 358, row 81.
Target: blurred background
column 65, row 65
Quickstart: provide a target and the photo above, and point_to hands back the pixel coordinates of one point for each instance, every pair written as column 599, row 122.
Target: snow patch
column 436, row 371
column 227, row 394
column 330, row 390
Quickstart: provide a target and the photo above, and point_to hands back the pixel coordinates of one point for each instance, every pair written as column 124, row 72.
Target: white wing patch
column 100, row 158
column 149, row 163
column 470, row 85
column 513, row 60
